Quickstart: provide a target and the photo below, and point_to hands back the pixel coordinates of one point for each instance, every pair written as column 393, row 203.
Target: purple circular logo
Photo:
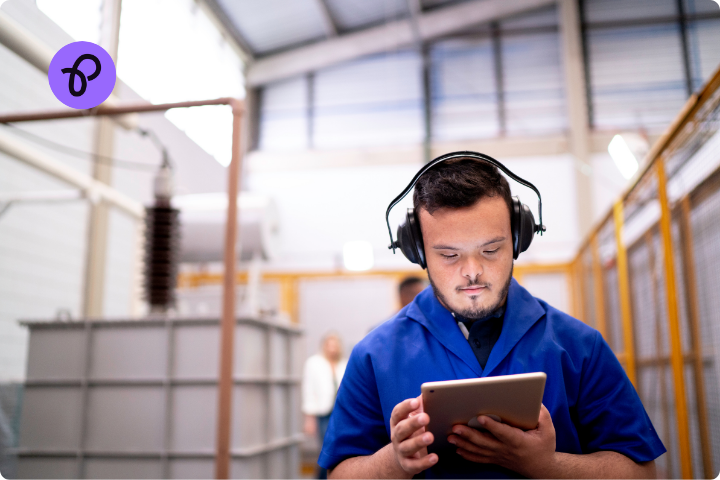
column 82, row 75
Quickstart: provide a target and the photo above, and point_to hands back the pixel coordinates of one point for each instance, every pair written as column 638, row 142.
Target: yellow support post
column 598, row 287
column 624, row 292
column 289, row 297
column 676, row 354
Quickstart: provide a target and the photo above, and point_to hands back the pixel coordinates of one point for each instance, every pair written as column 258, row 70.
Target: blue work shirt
column 590, row 398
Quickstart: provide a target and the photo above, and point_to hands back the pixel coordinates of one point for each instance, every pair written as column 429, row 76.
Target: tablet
column 511, row 399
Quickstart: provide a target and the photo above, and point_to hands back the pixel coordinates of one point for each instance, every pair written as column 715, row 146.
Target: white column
column 576, row 97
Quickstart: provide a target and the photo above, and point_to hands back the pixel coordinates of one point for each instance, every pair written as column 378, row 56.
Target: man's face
column 331, row 348
column 469, row 255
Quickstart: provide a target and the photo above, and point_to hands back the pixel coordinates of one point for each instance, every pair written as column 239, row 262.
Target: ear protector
column 522, row 222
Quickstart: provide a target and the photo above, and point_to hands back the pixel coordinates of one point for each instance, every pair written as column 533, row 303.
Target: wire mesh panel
column 705, row 227
column 670, row 225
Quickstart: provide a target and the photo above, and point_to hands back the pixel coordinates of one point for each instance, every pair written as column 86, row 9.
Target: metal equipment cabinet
column 138, row 399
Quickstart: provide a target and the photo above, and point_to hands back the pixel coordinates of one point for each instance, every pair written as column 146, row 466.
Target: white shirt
column 318, row 388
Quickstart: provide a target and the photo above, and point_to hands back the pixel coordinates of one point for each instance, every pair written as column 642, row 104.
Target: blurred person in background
column 408, row 288
column 322, row 375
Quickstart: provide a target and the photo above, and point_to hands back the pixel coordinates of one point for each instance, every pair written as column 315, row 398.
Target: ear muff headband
column 538, row 228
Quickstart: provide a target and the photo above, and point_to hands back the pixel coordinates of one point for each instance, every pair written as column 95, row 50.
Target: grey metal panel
column 182, row 468
column 464, row 93
column 296, row 358
column 47, row 468
column 355, row 14
column 610, row 10
column 252, row 467
column 293, row 461
column 50, row 418
column 704, row 43
column 294, row 411
column 699, row 6
column 250, row 345
column 196, row 351
column 125, row 419
column 133, row 430
column 372, row 101
column 249, row 416
column 280, row 353
column 284, row 115
column 278, row 409
column 56, row 354
column 278, row 464
column 636, row 75
column 546, row 17
column 122, row 468
column 194, row 419
column 533, row 107
column 139, row 352
column 269, row 25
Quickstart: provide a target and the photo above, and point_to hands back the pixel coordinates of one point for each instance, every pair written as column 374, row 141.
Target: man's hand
column 528, row 453
column 409, row 438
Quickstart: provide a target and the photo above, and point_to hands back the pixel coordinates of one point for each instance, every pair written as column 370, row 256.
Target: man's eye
column 448, row 256
column 492, row 251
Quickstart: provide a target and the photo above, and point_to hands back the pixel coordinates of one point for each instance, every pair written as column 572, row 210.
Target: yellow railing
column 631, row 294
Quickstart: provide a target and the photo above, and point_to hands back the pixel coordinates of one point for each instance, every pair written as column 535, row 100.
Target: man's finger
column 417, row 465
column 503, row 432
column 474, row 457
column 402, row 410
column 545, row 419
column 471, row 446
column 405, row 428
column 411, row 446
column 481, row 439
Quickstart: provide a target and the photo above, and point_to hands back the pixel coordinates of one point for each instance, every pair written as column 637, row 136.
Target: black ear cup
column 409, row 239
column 522, row 224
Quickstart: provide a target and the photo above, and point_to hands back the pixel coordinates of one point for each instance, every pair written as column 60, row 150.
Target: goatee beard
column 474, row 313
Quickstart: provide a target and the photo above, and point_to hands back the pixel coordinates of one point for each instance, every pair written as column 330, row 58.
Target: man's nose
column 472, row 269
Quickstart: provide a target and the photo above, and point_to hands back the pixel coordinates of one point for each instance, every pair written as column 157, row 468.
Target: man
column 592, row 423
column 408, row 289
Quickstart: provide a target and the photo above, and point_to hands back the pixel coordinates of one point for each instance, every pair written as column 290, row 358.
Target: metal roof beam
column 389, row 36
column 217, row 15
column 328, row 22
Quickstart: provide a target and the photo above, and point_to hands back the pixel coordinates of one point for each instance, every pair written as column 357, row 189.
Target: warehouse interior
column 117, row 361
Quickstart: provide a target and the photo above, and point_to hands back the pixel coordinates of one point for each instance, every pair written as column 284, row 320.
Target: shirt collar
column 522, row 310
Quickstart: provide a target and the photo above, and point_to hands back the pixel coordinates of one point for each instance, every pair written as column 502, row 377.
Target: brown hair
column 459, row 183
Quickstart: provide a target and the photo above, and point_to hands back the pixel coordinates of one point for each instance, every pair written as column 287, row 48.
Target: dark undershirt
column 483, row 333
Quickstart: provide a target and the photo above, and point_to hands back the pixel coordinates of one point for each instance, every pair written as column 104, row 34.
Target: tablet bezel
column 515, row 399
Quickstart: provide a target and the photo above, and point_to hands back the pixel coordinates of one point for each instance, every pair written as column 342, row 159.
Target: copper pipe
column 105, row 110
column 227, row 324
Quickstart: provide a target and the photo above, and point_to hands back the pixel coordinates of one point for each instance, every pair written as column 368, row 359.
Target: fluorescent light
column 623, row 156
column 358, row 255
